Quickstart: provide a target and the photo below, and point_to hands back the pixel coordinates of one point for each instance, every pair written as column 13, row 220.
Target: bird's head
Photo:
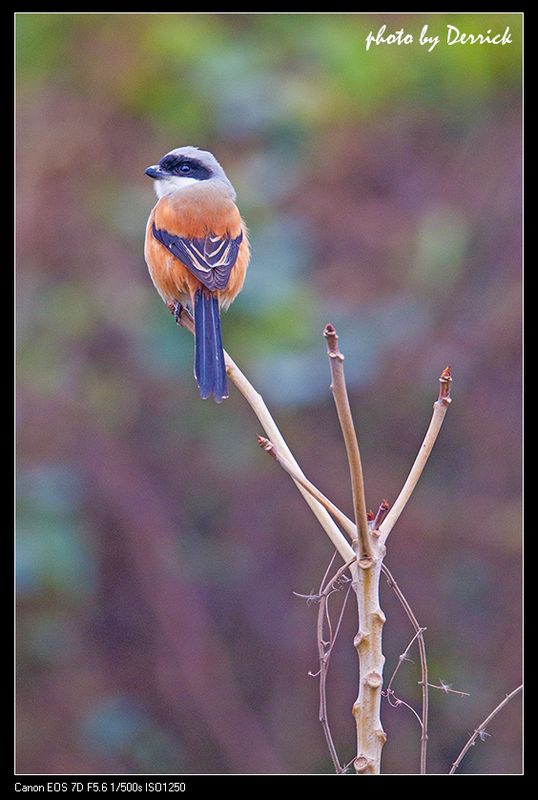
column 186, row 167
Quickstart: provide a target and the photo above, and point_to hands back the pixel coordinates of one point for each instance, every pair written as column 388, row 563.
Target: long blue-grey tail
column 209, row 365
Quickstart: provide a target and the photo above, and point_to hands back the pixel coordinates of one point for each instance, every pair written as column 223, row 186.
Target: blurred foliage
column 157, row 546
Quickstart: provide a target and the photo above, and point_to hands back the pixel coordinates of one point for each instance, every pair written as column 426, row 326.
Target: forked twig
column 396, row 702
column 364, row 559
column 481, row 730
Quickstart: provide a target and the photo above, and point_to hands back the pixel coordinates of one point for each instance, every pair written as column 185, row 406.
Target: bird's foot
column 175, row 309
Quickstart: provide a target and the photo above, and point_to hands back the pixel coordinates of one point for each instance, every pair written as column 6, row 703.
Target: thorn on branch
column 310, row 598
column 446, row 688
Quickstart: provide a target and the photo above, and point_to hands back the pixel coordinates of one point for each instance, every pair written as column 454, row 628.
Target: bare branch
column 341, row 399
column 423, row 664
column 327, row 587
column 323, row 667
column 403, row 657
column 439, row 411
column 324, row 652
column 347, row 524
column 447, row 689
column 365, row 573
column 364, row 559
column 322, row 584
column 396, row 702
column 481, row 730
column 256, row 402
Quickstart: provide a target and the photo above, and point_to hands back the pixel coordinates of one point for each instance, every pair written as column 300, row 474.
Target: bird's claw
column 175, row 309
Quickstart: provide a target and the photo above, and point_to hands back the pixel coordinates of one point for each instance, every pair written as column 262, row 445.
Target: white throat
column 174, row 183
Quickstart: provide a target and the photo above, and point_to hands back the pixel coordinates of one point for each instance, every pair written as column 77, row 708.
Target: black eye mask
column 185, row 167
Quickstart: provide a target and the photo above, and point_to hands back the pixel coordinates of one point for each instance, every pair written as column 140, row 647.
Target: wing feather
column 210, row 259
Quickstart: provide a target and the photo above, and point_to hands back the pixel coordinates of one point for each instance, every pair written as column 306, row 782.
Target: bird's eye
column 184, row 168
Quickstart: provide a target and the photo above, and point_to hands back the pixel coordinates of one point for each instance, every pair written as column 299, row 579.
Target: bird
column 197, row 252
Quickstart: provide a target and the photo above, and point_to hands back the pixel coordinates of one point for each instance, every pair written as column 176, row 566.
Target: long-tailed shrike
column 197, row 251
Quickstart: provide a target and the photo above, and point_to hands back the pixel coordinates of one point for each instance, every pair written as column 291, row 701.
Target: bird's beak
column 155, row 172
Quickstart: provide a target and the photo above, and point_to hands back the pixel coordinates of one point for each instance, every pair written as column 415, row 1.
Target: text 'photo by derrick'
column 453, row 35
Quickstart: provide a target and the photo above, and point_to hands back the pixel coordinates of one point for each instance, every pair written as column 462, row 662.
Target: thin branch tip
column 330, row 334
column 330, row 330
column 440, row 408
column 445, row 379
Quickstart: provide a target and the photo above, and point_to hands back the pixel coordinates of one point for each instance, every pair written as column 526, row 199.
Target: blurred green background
column 157, row 546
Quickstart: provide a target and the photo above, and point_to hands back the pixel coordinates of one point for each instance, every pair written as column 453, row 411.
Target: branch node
column 361, row 763
column 266, row 445
column 374, row 680
column 379, row 615
column 339, row 356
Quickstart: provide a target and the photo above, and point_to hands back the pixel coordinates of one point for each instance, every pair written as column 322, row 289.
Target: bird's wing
column 210, row 259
